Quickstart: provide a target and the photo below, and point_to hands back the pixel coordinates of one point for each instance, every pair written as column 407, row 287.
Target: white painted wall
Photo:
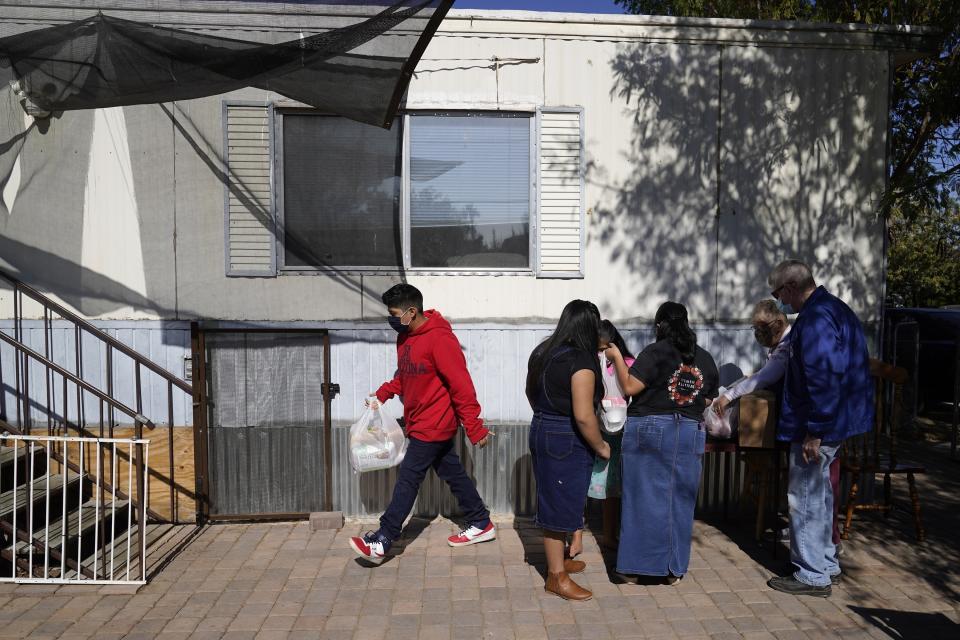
column 110, row 209
column 120, row 213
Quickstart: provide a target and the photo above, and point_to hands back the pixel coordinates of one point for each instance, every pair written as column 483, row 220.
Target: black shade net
column 359, row 71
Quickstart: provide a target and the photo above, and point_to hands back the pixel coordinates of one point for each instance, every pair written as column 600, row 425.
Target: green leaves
column 924, row 259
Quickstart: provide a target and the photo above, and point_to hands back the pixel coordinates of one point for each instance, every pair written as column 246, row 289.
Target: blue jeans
column 562, row 462
column 810, row 497
column 421, row 456
column 662, row 459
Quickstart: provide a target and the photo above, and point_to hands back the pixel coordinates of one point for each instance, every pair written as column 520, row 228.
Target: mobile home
column 242, row 241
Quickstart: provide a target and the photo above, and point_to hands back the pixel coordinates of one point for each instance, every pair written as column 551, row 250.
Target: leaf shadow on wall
column 797, row 152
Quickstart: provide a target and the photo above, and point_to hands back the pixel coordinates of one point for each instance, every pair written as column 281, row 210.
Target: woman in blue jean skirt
column 672, row 381
column 564, row 388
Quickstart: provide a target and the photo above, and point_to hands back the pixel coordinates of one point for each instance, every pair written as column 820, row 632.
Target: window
column 441, row 192
column 469, row 191
column 341, row 193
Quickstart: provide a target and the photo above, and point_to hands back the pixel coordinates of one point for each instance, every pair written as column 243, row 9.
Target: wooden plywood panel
column 181, row 506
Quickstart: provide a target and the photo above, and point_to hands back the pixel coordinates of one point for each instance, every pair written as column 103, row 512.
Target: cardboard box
column 758, row 420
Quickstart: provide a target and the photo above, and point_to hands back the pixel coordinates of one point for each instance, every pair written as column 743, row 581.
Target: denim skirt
column 562, row 463
column 662, row 459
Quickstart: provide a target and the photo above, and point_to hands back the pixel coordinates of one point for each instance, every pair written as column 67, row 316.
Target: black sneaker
column 789, row 584
column 836, row 578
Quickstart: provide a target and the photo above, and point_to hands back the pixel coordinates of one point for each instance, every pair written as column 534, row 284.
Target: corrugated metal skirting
column 504, row 476
column 258, row 470
column 361, row 359
column 502, row 471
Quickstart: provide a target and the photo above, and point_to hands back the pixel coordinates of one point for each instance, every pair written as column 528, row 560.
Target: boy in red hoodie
column 438, row 395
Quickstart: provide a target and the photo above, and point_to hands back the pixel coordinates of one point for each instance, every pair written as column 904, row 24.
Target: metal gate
column 268, row 444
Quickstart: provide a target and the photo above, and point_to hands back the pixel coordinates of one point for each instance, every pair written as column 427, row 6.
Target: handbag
column 613, row 406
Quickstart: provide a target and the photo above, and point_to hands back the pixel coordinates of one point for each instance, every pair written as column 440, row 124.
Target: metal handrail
column 139, row 420
column 66, row 314
column 86, row 386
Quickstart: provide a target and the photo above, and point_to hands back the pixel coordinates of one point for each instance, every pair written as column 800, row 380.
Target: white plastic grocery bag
column 376, row 441
column 716, row 426
column 614, row 405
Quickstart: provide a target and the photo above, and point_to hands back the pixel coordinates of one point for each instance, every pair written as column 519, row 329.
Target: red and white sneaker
column 372, row 547
column 473, row 535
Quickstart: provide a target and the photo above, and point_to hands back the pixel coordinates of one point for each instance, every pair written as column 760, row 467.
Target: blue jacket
column 828, row 391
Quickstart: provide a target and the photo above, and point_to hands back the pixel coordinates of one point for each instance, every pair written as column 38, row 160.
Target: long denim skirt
column 662, row 459
column 562, row 463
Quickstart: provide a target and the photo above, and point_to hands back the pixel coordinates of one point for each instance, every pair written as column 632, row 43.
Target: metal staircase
column 74, row 498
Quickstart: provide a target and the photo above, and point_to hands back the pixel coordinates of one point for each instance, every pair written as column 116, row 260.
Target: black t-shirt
column 553, row 389
column 670, row 385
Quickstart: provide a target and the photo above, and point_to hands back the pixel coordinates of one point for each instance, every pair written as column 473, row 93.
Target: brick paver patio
column 285, row 581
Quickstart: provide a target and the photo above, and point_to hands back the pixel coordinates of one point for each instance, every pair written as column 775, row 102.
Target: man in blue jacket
column 827, row 398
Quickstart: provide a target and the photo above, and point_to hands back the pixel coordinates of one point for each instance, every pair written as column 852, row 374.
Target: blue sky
column 581, row 6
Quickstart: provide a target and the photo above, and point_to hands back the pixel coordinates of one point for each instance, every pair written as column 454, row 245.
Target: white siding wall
column 781, row 132
column 166, row 344
column 803, row 155
column 361, row 358
column 650, row 121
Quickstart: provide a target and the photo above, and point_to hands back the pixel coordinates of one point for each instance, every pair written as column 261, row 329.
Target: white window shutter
column 560, row 204
column 248, row 211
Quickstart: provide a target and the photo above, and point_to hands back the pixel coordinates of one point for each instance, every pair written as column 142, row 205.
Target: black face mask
column 766, row 333
column 397, row 325
column 764, row 336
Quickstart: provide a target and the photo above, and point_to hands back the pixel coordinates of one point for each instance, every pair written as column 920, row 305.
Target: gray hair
column 792, row 271
column 768, row 311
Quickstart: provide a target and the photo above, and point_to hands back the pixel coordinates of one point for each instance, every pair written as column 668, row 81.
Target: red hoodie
column 434, row 383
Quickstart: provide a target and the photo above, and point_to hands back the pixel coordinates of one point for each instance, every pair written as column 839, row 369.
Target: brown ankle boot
column 572, row 566
column 560, row 584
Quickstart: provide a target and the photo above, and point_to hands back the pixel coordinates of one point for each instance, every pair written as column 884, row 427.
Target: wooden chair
column 759, row 454
column 862, row 455
column 758, row 467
